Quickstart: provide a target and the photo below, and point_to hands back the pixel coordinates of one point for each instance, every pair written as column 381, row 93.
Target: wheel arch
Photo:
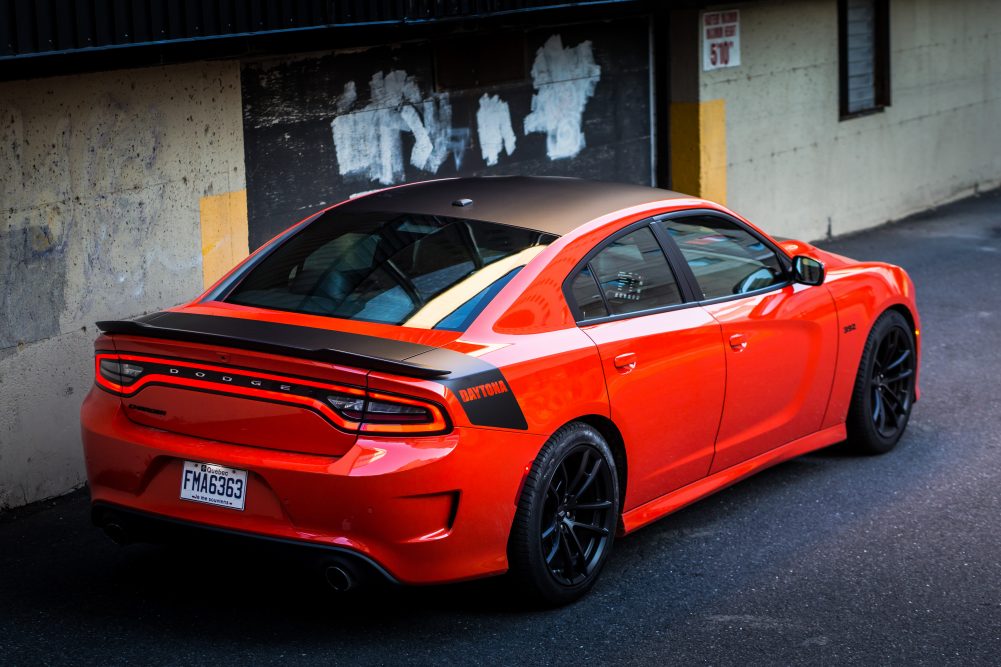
column 865, row 437
column 613, row 436
column 863, row 292
column 909, row 314
column 904, row 310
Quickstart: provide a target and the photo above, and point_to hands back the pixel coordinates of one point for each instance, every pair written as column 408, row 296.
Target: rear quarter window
column 628, row 275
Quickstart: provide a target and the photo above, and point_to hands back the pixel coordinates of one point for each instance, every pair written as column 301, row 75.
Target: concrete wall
column 798, row 170
column 110, row 186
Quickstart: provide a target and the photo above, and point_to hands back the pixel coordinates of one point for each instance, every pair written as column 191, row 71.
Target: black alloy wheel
column 567, row 516
column 577, row 521
column 892, row 383
column 884, row 388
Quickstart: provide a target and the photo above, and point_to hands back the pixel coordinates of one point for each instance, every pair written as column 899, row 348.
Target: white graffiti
column 565, row 79
column 369, row 140
column 493, row 124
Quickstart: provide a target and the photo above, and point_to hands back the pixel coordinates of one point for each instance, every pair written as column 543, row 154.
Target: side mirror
column 808, row 270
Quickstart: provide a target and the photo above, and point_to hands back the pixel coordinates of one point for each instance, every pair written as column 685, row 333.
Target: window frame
column 880, row 65
column 784, row 260
column 688, row 285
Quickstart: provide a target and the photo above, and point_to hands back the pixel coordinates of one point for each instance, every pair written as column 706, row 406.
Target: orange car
column 465, row 377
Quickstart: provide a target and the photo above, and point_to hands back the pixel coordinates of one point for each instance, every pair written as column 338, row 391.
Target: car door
column 662, row 358
column 779, row 337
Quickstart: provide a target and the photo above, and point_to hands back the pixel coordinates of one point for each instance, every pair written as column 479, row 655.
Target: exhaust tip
column 339, row 579
column 117, row 533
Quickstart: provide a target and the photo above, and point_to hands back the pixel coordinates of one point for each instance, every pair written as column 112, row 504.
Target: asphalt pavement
column 826, row 559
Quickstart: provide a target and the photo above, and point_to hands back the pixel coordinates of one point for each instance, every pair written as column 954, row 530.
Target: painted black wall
column 289, row 105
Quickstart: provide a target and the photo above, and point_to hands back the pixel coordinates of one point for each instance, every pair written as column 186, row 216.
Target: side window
column 587, row 296
column 725, row 259
column 632, row 274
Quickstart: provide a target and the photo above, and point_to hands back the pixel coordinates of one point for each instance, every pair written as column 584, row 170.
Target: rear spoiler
column 336, row 347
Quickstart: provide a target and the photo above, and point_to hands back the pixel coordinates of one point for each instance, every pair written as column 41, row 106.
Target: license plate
column 214, row 484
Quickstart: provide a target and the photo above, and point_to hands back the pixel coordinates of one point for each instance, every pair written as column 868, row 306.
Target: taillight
column 349, row 408
column 114, row 374
column 386, row 414
column 120, row 372
column 396, row 413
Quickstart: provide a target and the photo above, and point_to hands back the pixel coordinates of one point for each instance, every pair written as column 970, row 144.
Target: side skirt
column 686, row 495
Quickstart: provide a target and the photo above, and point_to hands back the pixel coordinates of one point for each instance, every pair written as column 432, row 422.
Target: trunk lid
column 255, row 382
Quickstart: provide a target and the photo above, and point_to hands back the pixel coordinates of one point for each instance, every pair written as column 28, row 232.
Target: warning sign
column 720, row 39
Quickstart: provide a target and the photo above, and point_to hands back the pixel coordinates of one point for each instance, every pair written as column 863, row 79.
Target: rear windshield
column 421, row 271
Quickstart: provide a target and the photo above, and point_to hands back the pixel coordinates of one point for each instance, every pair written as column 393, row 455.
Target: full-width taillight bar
column 349, row 408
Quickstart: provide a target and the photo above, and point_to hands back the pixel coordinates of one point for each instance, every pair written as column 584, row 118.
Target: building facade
column 144, row 152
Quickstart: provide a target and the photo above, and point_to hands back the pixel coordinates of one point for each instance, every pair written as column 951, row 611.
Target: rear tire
column 884, row 387
column 567, row 516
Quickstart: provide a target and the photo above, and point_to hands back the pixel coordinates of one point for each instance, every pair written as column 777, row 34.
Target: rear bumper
column 125, row 525
column 425, row 510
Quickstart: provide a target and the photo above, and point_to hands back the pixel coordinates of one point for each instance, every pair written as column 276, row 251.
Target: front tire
column 567, row 516
column 884, row 388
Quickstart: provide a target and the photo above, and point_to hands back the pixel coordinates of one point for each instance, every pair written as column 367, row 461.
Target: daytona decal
column 480, row 386
column 482, row 391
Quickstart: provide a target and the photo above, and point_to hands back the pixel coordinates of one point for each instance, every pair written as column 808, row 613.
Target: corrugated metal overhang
column 40, row 37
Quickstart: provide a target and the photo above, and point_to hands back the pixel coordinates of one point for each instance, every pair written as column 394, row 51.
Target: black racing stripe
column 339, row 347
column 480, row 387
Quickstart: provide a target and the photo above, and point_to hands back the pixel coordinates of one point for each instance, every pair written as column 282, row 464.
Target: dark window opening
column 864, row 62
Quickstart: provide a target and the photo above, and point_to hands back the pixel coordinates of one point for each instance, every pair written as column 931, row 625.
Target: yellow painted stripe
column 698, row 149
column 224, row 233
column 712, row 126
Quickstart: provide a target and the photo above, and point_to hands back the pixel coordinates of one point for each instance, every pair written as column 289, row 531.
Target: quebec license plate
column 214, row 484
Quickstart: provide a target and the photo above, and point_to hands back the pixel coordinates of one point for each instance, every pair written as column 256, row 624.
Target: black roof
column 544, row 203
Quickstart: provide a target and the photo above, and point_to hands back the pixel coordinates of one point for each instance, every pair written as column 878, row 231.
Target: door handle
column 625, row 361
column 738, row 342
